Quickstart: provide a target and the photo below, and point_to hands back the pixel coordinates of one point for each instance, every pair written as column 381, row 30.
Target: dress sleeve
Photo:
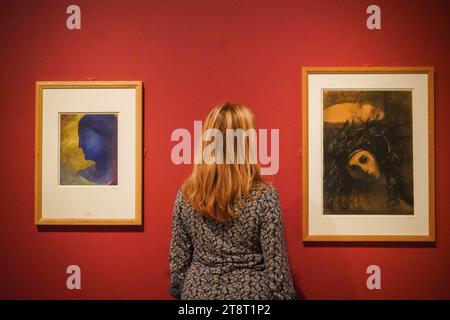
column 273, row 245
column 180, row 250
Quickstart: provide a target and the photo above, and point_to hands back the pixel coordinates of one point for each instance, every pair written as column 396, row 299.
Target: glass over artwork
column 367, row 152
column 88, row 149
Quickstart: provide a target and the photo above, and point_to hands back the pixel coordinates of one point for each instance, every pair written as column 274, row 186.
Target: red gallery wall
column 190, row 56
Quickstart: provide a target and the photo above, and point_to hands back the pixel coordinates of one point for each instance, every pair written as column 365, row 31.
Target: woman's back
column 243, row 258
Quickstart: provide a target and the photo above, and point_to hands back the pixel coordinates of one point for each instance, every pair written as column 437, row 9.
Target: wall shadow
column 298, row 290
column 90, row 228
column 368, row 244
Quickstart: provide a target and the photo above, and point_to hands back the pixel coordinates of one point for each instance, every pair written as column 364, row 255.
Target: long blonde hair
column 213, row 188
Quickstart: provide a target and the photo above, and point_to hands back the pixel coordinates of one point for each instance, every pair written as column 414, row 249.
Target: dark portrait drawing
column 367, row 152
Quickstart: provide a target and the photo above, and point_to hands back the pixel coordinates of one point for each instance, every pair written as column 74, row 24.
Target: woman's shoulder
column 266, row 205
column 265, row 195
column 180, row 200
column 265, row 190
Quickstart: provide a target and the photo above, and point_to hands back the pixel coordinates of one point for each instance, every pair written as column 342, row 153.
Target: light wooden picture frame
column 88, row 153
column 368, row 154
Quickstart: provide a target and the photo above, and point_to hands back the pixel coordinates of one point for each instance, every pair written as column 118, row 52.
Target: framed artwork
column 88, row 161
column 368, row 154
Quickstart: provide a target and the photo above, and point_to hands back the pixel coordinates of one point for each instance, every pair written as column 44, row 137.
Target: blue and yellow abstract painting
column 88, row 149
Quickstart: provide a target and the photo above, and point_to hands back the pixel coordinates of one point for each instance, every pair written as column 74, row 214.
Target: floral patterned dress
column 244, row 258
